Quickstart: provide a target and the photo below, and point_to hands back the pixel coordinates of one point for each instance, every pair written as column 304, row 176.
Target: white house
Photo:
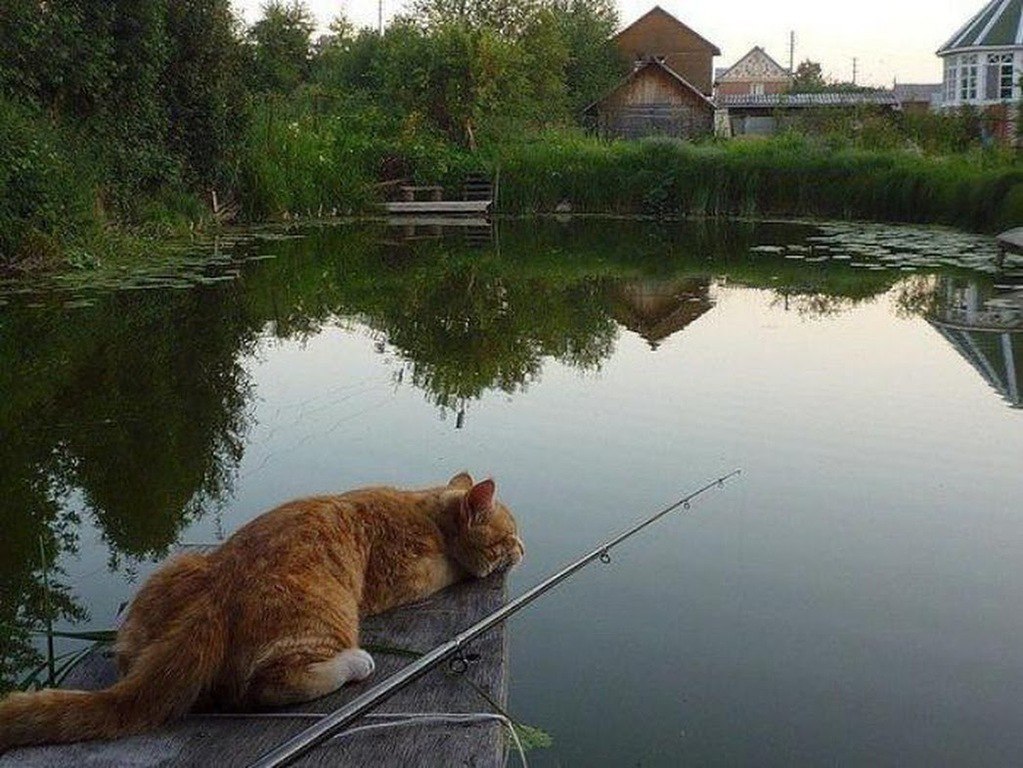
column 984, row 59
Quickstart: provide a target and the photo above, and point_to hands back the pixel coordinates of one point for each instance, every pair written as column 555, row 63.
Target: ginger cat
column 271, row 616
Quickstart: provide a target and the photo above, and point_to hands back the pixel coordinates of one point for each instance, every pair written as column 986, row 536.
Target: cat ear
column 462, row 481
column 478, row 503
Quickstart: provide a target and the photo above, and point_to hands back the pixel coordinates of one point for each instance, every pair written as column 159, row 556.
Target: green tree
column 509, row 18
column 593, row 64
column 204, row 98
column 281, row 46
column 808, row 78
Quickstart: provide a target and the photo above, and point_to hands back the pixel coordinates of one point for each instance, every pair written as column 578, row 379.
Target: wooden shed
column 659, row 35
column 652, row 100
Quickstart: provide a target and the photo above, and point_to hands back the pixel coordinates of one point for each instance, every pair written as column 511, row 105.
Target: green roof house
column 984, row 59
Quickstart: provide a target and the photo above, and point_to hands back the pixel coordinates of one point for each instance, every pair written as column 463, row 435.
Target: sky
column 890, row 39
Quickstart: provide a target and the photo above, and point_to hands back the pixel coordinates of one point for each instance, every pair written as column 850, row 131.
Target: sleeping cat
column 271, row 616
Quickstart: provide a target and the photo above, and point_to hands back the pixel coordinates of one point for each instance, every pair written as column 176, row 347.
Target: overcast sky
column 890, row 38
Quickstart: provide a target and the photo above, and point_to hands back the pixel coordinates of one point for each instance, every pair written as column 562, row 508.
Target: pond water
column 856, row 598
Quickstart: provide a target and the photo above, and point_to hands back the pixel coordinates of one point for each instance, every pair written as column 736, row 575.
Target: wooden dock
column 1010, row 241
column 438, row 207
column 230, row 741
column 477, row 192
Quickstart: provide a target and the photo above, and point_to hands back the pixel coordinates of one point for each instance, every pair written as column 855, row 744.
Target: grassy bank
column 321, row 157
column 788, row 176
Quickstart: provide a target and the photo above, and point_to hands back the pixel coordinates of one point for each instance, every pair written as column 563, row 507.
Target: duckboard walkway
column 227, row 741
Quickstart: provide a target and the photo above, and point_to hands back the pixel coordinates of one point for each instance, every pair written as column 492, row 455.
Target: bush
column 319, row 154
column 45, row 194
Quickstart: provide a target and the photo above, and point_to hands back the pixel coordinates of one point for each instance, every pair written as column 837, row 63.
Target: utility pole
column 792, row 52
column 380, row 17
column 855, row 62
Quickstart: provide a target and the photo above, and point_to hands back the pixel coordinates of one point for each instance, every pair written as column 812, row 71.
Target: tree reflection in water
column 134, row 411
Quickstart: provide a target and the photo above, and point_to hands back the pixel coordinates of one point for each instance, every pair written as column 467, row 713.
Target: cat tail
column 164, row 682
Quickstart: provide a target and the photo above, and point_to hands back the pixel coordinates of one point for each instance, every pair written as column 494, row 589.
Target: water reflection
column 984, row 323
column 134, row 412
column 658, row 309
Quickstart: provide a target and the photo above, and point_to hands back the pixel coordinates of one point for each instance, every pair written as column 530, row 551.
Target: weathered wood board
column 434, row 207
column 226, row 742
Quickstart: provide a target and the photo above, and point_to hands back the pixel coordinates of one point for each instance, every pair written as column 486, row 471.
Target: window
column 968, row 77
column 951, row 77
column 999, row 77
column 757, row 89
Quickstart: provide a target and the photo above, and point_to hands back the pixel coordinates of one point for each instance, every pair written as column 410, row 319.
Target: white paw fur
column 356, row 664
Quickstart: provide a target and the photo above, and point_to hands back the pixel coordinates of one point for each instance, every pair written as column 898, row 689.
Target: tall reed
column 784, row 176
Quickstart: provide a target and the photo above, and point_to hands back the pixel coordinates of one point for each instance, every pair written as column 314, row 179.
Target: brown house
column 754, row 74
column 918, row 99
column 659, row 35
column 653, row 100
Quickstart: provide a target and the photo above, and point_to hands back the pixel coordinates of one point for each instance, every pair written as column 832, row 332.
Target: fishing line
column 328, row 726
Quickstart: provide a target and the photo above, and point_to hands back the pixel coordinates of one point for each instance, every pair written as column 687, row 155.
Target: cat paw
column 359, row 664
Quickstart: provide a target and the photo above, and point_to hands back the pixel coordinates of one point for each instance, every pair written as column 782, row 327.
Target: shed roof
column 999, row 24
column 806, row 100
column 642, row 68
column 658, row 11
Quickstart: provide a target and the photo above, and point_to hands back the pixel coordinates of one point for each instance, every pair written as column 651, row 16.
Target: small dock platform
column 477, row 192
column 438, row 207
column 229, row 741
column 1010, row 241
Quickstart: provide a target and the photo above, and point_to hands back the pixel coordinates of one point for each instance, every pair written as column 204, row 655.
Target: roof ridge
column 672, row 17
column 658, row 63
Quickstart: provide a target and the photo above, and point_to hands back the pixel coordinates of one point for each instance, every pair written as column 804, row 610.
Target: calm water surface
column 856, row 599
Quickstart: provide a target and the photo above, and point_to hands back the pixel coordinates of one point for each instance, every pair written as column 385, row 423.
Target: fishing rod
column 331, row 724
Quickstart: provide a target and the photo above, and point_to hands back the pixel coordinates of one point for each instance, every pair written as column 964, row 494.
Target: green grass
column 788, row 176
column 320, row 155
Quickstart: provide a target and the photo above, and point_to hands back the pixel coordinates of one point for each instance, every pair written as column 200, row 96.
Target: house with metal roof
column 984, row 58
column 917, row 98
column 766, row 113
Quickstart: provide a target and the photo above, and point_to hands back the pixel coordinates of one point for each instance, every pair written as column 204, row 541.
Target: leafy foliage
column 808, row 78
column 280, row 47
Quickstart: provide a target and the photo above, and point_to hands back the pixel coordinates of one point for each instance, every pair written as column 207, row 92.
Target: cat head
column 485, row 535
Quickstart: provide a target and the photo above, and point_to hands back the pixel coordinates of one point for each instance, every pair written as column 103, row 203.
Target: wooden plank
column 225, row 742
column 439, row 221
column 439, row 207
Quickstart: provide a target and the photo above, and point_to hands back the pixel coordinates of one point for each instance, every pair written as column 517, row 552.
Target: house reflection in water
column 658, row 309
column 985, row 327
